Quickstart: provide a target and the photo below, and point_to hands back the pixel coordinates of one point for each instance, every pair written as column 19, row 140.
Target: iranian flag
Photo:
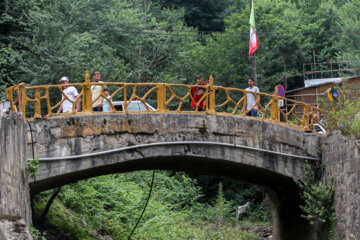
column 253, row 43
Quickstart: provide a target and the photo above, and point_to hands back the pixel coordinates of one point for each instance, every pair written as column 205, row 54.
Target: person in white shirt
column 250, row 98
column 71, row 93
column 95, row 92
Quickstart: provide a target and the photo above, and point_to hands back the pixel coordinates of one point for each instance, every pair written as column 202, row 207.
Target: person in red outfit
column 197, row 93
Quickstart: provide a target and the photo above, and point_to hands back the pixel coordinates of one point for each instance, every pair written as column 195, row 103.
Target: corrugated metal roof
column 317, row 82
column 320, row 82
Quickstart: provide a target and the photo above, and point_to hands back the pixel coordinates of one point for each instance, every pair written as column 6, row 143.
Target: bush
column 344, row 116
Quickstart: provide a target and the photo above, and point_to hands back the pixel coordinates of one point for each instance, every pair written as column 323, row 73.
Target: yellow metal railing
column 169, row 98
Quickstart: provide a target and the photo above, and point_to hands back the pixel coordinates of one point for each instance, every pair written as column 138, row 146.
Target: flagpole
column 253, row 58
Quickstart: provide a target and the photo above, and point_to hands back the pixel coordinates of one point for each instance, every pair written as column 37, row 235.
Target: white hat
column 64, row 79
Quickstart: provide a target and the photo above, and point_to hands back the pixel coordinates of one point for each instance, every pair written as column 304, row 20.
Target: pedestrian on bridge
column 106, row 101
column 97, row 100
column 70, row 93
column 250, row 98
column 197, row 93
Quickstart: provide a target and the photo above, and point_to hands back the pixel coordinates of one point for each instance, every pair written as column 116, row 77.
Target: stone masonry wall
column 15, row 211
column 342, row 162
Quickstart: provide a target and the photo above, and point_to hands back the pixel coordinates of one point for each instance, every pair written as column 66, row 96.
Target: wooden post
column 18, row 96
column 161, row 98
column 306, row 123
column 330, row 67
column 10, row 97
column 253, row 58
column 125, row 100
column 244, row 105
column 9, row 93
column 88, row 95
column 211, row 103
column 275, row 106
column 342, row 63
column 37, row 104
column 285, row 77
column 48, row 103
column 22, row 101
column 314, row 62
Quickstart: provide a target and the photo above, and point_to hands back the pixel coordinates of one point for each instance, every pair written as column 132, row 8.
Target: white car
column 319, row 129
column 132, row 106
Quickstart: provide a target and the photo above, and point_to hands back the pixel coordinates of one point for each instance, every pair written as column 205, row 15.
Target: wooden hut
column 316, row 89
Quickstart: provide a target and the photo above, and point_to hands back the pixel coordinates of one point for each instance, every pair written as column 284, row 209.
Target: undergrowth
column 110, row 205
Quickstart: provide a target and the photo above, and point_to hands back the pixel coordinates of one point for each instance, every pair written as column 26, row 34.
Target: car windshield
column 142, row 107
column 133, row 107
column 319, row 129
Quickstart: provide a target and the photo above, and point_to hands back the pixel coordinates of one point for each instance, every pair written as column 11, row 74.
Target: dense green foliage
column 152, row 41
column 318, row 199
column 343, row 116
column 32, row 167
column 110, row 206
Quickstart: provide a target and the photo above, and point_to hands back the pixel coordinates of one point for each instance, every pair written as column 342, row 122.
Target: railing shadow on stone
column 42, row 101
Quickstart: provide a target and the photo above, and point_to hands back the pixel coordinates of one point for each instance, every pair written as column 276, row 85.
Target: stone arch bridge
column 269, row 151
column 251, row 150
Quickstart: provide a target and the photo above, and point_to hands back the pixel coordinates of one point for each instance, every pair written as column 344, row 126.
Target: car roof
column 134, row 102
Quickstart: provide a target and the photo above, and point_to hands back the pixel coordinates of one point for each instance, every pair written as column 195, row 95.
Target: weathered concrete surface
column 88, row 134
column 15, row 211
column 14, row 229
column 342, row 163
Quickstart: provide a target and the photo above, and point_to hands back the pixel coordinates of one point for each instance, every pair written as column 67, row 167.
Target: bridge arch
column 250, row 150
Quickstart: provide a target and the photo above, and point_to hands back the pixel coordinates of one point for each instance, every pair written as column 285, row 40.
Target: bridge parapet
column 42, row 101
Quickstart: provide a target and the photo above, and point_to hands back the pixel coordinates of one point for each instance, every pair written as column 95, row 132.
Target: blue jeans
column 97, row 109
column 252, row 113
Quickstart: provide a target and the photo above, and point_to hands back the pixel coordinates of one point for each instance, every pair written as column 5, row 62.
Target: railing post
column 49, row 112
column 22, row 102
column 211, row 103
column 37, row 104
column 18, row 97
column 88, row 96
column 305, row 120
column 161, row 98
column 10, row 97
column 9, row 93
column 125, row 99
column 274, row 107
column 244, row 105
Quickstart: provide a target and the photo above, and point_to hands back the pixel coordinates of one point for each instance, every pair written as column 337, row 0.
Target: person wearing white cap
column 70, row 93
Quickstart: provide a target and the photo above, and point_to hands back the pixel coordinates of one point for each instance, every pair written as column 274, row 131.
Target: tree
column 349, row 24
column 14, row 21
